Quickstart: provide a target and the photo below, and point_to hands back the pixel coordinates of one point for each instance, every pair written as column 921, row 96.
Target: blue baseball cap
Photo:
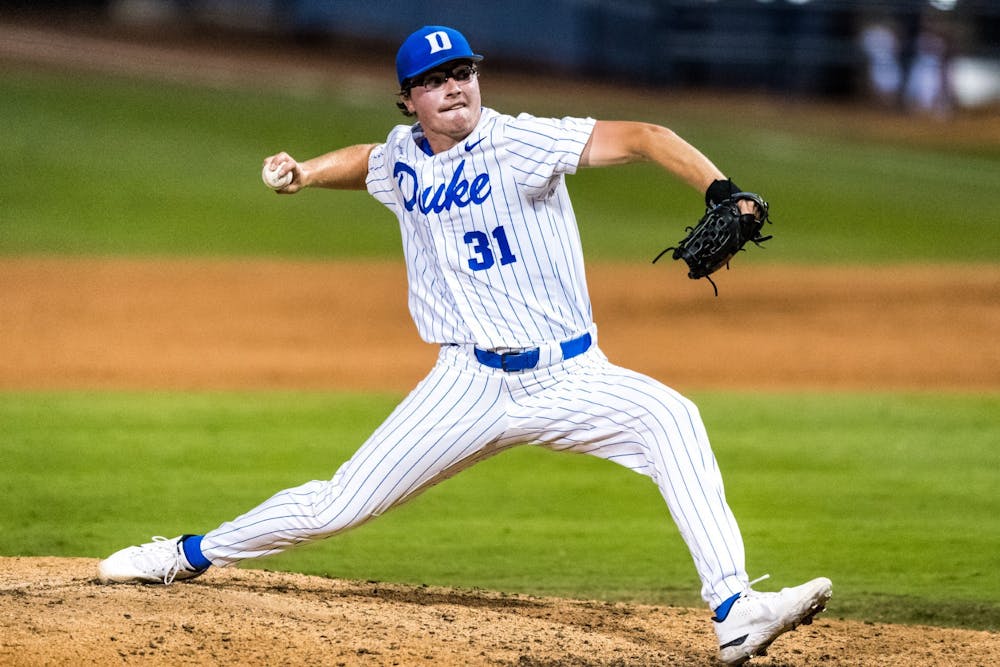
column 429, row 47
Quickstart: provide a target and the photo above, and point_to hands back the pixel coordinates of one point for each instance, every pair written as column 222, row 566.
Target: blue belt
column 525, row 359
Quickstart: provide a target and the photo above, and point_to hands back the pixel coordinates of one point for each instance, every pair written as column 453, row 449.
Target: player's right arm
column 343, row 169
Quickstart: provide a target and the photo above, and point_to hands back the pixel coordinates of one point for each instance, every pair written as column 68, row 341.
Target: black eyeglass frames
column 434, row 80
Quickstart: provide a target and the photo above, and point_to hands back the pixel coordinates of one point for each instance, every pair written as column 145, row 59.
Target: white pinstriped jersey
column 494, row 259
column 491, row 242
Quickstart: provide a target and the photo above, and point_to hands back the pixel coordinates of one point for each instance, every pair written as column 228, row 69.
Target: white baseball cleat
column 161, row 561
column 756, row 619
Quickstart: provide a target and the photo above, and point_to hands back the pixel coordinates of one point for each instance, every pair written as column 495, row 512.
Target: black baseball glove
column 722, row 232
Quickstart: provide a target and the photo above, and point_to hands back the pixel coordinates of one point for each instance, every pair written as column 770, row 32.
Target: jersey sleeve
column 543, row 149
column 379, row 181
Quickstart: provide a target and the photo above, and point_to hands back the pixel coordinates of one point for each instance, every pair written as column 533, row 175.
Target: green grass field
column 892, row 496
column 111, row 166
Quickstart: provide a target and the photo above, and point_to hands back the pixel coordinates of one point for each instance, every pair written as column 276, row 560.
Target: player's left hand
column 750, row 207
column 723, row 231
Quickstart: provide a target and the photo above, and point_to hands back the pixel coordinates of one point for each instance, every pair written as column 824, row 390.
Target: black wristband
column 719, row 191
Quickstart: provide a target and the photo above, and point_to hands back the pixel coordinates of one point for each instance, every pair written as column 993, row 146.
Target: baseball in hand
column 273, row 181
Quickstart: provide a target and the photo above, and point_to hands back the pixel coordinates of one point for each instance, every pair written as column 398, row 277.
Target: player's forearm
column 344, row 169
column 681, row 159
column 621, row 142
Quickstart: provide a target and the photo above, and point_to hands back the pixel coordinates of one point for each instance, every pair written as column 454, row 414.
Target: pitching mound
column 53, row 611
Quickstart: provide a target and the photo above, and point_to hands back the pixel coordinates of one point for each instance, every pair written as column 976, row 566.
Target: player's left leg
column 591, row 406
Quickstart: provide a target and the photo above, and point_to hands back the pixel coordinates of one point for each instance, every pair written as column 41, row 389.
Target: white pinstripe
column 540, row 297
column 463, row 412
column 504, row 184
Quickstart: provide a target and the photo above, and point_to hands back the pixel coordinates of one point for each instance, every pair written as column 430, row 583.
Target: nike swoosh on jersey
column 470, row 146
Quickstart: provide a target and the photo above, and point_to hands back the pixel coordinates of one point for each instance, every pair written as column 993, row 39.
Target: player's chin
column 459, row 119
column 459, row 110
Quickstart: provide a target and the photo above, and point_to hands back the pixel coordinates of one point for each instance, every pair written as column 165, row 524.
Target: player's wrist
column 719, row 191
column 305, row 177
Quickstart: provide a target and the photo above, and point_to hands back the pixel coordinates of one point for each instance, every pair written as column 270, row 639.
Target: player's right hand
column 285, row 163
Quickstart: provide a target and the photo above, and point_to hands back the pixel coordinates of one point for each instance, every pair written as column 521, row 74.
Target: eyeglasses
column 462, row 74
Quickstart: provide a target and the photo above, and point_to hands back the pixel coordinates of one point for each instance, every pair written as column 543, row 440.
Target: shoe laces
column 768, row 599
column 158, row 556
column 750, row 594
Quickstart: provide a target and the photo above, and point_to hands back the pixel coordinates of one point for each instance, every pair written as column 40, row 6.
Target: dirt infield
column 53, row 612
column 184, row 324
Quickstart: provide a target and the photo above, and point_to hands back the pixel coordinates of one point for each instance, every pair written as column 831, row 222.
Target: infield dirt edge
column 53, row 611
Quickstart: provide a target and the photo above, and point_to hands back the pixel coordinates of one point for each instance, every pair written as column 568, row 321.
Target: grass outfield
column 103, row 165
column 893, row 497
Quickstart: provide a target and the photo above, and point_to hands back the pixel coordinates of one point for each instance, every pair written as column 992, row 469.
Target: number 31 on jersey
column 485, row 257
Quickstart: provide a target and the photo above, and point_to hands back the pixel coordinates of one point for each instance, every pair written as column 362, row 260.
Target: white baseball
column 273, row 181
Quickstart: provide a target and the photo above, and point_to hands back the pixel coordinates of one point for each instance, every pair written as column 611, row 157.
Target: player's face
column 447, row 103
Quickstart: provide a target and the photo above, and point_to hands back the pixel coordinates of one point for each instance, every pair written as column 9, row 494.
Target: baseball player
column 496, row 280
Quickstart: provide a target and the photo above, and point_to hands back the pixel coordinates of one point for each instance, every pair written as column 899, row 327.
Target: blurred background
column 930, row 57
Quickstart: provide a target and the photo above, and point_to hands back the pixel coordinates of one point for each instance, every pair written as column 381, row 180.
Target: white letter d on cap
column 439, row 41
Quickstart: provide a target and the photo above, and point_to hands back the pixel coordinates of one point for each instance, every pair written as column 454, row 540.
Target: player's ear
column 405, row 104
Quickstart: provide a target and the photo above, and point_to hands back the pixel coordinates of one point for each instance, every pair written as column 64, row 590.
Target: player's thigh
column 624, row 416
column 448, row 422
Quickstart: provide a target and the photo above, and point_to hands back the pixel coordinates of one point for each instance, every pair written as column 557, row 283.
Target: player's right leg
column 161, row 561
column 450, row 421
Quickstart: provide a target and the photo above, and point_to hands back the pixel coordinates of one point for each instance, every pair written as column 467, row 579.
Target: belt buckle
column 504, row 356
column 520, row 360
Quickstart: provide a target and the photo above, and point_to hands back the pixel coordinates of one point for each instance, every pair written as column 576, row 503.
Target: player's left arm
column 624, row 142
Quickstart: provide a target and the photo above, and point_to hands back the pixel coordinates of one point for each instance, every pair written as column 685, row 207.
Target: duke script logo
column 459, row 191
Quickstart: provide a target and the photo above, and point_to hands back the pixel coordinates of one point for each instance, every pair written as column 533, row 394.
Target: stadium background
column 834, row 48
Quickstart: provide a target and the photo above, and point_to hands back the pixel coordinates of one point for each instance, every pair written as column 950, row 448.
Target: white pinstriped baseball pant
column 464, row 412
